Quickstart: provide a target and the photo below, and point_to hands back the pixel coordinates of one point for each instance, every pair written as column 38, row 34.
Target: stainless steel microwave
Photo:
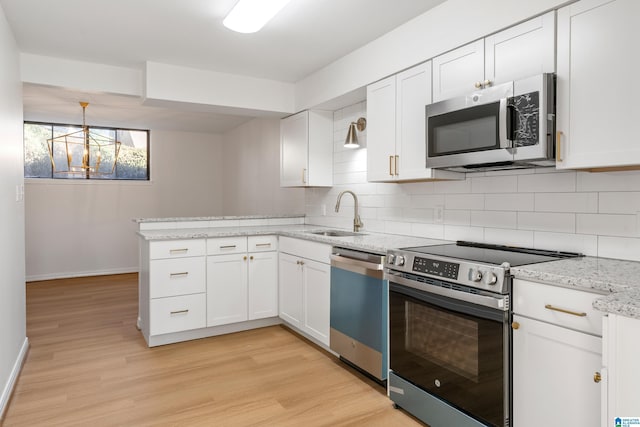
column 507, row 126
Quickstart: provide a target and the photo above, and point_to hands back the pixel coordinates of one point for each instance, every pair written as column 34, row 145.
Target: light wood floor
column 89, row 366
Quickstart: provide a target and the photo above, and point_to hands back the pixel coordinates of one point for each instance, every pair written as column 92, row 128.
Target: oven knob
column 490, row 278
column 475, row 275
column 391, row 259
column 400, row 260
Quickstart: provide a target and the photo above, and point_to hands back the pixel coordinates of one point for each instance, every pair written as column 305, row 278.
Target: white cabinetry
column 305, row 287
column 557, row 358
column 241, row 285
column 306, row 149
column 521, row 51
column 620, row 364
column 396, row 145
column 597, row 95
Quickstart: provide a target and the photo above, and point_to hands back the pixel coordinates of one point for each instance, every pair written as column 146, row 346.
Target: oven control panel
column 448, row 270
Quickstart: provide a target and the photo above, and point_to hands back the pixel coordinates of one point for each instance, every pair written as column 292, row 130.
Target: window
column 132, row 161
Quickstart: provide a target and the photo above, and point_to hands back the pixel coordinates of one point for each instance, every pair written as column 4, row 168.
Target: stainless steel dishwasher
column 359, row 306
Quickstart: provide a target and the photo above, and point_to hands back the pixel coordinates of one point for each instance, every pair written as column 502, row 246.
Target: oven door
column 452, row 349
column 469, row 130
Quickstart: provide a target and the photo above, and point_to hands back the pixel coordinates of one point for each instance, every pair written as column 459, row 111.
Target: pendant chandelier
column 84, row 152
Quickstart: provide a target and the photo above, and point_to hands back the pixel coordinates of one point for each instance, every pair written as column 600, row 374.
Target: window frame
column 88, row 178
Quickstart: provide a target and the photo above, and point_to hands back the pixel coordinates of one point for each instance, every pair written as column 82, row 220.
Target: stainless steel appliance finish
column 511, row 125
column 449, row 331
column 358, row 315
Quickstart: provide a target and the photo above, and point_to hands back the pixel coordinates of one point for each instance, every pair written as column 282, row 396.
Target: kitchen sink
column 337, row 233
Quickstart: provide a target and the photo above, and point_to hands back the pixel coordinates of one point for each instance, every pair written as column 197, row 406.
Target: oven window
column 471, row 129
column 451, row 354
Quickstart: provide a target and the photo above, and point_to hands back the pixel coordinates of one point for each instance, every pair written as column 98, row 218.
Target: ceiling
column 304, row 37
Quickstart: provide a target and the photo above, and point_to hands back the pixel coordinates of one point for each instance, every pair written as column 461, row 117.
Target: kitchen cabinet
column 520, row 51
column 597, row 106
column 242, row 283
column 306, row 149
column 557, row 352
column 304, row 287
column 621, row 347
column 396, row 144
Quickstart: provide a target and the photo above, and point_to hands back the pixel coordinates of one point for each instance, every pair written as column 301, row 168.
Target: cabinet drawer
column 181, row 276
column 226, row 245
column 176, row 248
column 565, row 307
column 175, row 314
column 306, row 249
column 262, row 243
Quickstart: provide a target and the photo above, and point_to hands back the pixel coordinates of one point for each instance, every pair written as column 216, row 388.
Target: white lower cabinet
column 263, row 285
column 557, row 356
column 304, row 287
column 226, row 289
column 175, row 314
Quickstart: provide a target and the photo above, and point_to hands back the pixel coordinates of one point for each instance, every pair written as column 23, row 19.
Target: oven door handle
column 498, row 302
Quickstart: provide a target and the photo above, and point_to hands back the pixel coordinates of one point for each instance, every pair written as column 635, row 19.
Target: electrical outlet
column 438, row 216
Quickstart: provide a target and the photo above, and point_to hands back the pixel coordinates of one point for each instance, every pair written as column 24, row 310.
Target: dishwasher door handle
column 357, row 266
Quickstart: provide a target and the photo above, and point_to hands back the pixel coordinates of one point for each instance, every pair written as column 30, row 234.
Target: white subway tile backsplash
column 543, row 221
column 607, row 225
column 592, row 213
column 619, row 202
column 493, row 184
column 509, row 202
column 547, row 182
column 567, row 242
column 494, row 219
column 566, row 202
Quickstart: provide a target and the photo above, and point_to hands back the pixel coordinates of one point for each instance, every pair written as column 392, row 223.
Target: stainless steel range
column 449, row 330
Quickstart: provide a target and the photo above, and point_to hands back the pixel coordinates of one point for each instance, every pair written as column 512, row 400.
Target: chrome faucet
column 357, row 223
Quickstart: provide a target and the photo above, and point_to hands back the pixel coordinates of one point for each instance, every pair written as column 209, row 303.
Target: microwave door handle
column 506, row 125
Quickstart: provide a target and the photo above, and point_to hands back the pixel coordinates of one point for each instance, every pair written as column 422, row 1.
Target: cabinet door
column 317, row 295
column 290, row 289
column 521, row 51
column 456, row 73
column 553, row 375
column 263, row 285
column 381, row 130
column 597, row 97
column 226, row 289
column 294, row 137
column 413, row 92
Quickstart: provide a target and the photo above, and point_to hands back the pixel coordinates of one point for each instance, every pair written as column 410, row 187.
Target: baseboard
column 53, row 276
column 13, row 378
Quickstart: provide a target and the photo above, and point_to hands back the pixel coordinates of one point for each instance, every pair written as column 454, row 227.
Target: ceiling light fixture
column 248, row 16
column 83, row 152
column 352, row 137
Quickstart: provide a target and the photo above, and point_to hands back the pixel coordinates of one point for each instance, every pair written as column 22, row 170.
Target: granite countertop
column 618, row 279
column 214, row 218
column 378, row 243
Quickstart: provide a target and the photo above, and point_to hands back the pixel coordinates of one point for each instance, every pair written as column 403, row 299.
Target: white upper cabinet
column 396, row 145
column 521, row 51
column 306, row 149
column 597, row 105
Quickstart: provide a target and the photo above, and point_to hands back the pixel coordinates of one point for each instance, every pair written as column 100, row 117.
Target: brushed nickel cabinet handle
column 558, row 146
column 562, row 310
column 179, row 312
column 262, row 245
column 178, row 251
column 228, row 247
column 182, row 274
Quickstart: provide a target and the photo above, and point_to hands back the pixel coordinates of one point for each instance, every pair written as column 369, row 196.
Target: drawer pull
column 515, row 325
column 184, row 273
column 263, row 245
column 179, row 312
column 562, row 310
column 228, row 247
column 178, row 251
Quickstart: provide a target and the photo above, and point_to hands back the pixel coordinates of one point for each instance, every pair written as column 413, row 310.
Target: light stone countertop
column 618, row 279
column 214, row 218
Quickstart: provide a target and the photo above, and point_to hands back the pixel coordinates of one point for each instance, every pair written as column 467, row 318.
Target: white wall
column 13, row 341
column 85, row 228
column 594, row 213
column 252, row 172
